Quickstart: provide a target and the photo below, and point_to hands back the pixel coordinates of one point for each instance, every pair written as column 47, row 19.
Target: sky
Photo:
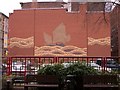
column 7, row 6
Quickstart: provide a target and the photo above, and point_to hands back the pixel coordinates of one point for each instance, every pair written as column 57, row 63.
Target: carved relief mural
column 56, row 44
column 60, row 51
column 59, row 36
column 53, row 32
column 21, row 43
column 100, row 41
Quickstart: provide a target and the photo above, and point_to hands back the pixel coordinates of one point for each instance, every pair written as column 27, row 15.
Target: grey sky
column 7, row 6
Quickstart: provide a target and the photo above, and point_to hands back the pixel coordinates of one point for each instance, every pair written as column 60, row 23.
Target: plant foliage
column 73, row 69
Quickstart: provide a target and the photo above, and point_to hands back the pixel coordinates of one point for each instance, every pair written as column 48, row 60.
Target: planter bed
column 108, row 82
column 42, row 81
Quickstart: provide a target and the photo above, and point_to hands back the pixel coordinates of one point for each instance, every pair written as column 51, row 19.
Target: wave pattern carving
column 21, row 43
column 60, row 51
column 100, row 41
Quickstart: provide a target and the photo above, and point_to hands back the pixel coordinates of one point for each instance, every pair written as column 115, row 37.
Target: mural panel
column 60, row 34
column 21, row 42
column 53, row 32
column 99, row 41
column 21, row 33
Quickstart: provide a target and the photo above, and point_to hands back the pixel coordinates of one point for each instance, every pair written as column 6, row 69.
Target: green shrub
column 72, row 69
column 80, row 69
column 56, row 69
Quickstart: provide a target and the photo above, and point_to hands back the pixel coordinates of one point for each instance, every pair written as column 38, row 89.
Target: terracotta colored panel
column 99, row 40
column 98, row 25
column 60, row 33
column 21, row 24
column 56, row 28
column 99, row 50
column 48, row 22
column 20, row 51
column 21, row 30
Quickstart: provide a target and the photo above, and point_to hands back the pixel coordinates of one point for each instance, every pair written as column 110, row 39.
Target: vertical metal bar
column 102, row 60
column 54, row 60
column 10, row 65
column 20, row 73
column 39, row 60
column 25, row 68
column 58, row 59
column 103, row 64
column 63, row 59
column 68, row 59
column 87, row 61
column 34, row 65
column 38, row 67
column 30, row 64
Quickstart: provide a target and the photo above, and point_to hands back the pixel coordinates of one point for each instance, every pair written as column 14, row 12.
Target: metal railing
column 30, row 65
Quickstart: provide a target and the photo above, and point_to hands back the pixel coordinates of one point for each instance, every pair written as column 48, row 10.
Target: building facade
column 3, row 41
column 67, row 29
column 115, row 31
column 3, row 34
